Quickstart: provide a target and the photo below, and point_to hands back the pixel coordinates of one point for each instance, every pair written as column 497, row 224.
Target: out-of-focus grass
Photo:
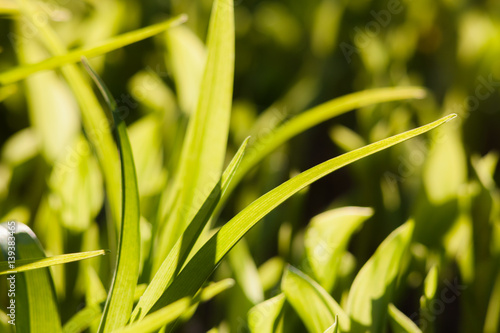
column 60, row 173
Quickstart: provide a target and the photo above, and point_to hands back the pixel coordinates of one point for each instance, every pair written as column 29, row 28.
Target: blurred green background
column 290, row 56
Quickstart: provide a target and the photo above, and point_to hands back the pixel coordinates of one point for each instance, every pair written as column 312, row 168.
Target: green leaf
column 327, row 237
column 204, row 262
column 265, row 145
column 35, row 263
column 204, row 147
column 372, row 289
column 114, row 43
column 35, row 300
column 181, row 249
column 121, row 295
column 400, row 323
column 313, row 304
column 264, row 317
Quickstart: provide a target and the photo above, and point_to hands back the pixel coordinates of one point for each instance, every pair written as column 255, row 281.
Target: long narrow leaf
column 114, row 43
column 35, row 263
column 120, row 298
column 204, row 147
column 310, row 118
column 204, row 262
column 181, row 249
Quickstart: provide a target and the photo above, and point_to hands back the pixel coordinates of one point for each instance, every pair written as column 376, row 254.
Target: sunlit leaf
column 198, row 269
column 204, row 147
column 21, row 72
column 35, row 263
column 120, row 297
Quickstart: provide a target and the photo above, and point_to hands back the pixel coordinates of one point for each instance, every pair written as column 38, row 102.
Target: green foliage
column 196, row 177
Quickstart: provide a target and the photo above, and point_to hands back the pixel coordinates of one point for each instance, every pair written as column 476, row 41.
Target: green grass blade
column 35, row 300
column 35, row 263
column 120, row 297
column 311, row 302
column 204, row 262
column 264, row 317
column 204, row 147
column 372, row 289
column 310, row 118
column 326, row 240
column 114, row 43
column 400, row 323
column 181, row 249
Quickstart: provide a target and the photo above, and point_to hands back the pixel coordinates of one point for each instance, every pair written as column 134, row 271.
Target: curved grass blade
column 181, row 249
column 35, row 300
column 114, row 43
column 121, row 295
column 400, row 323
column 311, row 302
column 204, row 262
column 310, row 118
column 372, row 289
column 204, row 148
column 36, row 263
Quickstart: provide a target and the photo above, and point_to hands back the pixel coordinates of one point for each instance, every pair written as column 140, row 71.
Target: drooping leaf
column 372, row 289
column 313, row 304
column 120, row 297
column 203, row 263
